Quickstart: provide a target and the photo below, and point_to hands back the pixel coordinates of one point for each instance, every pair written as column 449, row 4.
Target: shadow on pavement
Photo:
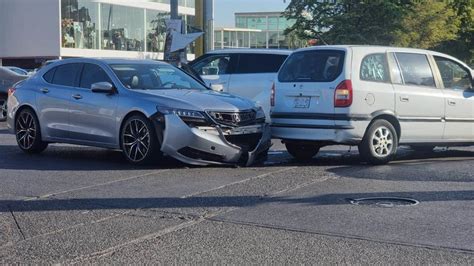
column 222, row 201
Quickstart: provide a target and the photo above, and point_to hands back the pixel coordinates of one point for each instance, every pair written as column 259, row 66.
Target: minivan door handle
column 404, row 99
column 451, row 102
column 77, row 96
column 44, row 90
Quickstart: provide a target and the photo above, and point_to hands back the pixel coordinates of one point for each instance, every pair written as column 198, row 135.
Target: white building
column 32, row 31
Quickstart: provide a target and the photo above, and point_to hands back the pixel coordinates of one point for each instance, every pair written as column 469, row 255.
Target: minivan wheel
column 138, row 140
column 380, row 143
column 302, row 151
column 3, row 108
column 28, row 132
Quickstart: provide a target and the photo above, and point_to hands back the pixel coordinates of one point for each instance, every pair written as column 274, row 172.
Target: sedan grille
column 243, row 118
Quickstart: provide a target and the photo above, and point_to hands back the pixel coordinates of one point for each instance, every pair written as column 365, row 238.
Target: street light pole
column 174, row 9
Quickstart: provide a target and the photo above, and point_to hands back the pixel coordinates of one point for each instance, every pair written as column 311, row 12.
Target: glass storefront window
column 241, row 22
column 272, row 23
column 122, row 28
column 156, row 30
column 261, row 40
column 79, row 24
column 218, row 39
column 273, row 39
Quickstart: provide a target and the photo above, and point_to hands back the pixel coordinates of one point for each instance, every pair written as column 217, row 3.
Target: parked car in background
column 8, row 77
column 18, row 70
column 373, row 97
column 244, row 72
column 142, row 107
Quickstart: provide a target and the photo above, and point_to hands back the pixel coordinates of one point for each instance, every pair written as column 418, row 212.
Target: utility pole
column 174, row 9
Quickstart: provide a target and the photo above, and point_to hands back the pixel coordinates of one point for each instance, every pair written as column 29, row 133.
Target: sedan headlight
column 183, row 113
column 190, row 117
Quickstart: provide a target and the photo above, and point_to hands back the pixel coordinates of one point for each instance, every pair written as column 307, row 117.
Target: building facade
column 32, row 31
column 225, row 38
column 271, row 25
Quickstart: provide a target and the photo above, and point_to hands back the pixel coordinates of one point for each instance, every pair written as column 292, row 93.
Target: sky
column 224, row 9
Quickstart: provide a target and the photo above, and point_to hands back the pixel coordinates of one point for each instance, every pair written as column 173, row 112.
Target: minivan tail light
column 272, row 96
column 343, row 94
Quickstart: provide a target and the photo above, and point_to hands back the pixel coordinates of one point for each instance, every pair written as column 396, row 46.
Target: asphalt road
column 77, row 205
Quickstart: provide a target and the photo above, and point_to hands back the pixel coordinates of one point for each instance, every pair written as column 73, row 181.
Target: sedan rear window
column 312, row 66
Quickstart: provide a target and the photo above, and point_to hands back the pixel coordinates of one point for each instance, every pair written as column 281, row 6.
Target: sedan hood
column 200, row 100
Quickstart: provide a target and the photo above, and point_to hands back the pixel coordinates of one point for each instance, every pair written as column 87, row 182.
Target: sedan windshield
column 154, row 77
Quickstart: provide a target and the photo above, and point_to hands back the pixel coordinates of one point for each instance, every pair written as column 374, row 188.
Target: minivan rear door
column 304, row 93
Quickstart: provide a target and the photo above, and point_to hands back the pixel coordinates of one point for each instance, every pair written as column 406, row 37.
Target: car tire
column 302, row 152
column 28, row 132
column 138, row 140
column 3, row 108
column 380, row 143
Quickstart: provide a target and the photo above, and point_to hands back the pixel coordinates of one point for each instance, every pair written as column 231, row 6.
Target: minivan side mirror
column 103, row 87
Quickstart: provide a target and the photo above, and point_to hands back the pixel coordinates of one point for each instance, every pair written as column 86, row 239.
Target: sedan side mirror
column 103, row 87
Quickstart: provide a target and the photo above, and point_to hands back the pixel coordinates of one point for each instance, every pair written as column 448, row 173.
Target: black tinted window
column 374, row 67
column 49, row 75
column 92, row 74
column 67, row 74
column 312, row 66
column 260, row 63
column 454, row 75
column 415, row 69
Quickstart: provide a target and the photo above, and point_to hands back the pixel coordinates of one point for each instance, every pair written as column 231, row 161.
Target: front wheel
column 302, row 151
column 380, row 143
column 138, row 140
column 28, row 132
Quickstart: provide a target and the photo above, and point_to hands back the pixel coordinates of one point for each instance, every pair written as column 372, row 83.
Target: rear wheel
column 3, row 108
column 380, row 143
column 138, row 140
column 28, row 132
column 302, row 151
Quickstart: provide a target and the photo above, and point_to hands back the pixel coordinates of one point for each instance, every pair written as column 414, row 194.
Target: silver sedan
column 143, row 108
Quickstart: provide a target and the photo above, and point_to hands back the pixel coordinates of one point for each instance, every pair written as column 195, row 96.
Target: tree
column 427, row 25
column 347, row 21
column 463, row 46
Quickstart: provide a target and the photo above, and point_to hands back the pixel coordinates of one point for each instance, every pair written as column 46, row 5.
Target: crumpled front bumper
column 210, row 147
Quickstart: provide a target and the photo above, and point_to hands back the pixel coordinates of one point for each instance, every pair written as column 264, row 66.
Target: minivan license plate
column 302, row 102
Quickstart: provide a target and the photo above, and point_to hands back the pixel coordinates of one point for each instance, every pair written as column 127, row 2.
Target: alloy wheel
column 382, row 142
column 26, row 130
column 136, row 140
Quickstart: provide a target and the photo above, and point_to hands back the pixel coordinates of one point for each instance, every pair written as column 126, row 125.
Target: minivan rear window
column 312, row 66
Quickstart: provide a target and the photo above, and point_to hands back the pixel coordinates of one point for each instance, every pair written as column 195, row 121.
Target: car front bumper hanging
column 198, row 146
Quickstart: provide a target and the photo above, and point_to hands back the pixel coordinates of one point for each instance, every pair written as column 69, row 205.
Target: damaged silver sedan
column 143, row 108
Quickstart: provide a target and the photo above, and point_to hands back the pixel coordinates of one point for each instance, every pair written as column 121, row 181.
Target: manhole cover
column 387, row 202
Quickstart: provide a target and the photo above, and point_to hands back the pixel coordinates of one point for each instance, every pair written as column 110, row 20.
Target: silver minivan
column 374, row 97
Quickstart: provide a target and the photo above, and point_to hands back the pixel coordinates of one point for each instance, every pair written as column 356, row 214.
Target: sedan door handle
column 404, row 99
column 44, row 90
column 451, row 102
column 77, row 96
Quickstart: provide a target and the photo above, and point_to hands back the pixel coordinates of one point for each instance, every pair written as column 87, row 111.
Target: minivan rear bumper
column 342, row 132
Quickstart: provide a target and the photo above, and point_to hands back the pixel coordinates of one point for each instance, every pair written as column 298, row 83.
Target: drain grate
column 386, row 202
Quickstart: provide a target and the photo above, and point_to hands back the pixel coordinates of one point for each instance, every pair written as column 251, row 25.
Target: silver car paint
column 66, row 119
